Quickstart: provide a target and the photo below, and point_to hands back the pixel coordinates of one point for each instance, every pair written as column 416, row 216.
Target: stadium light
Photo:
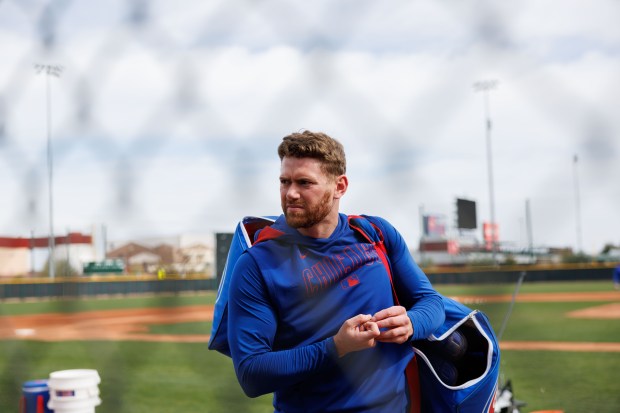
column 577, row 205
column 485, row 86
column 50, row 70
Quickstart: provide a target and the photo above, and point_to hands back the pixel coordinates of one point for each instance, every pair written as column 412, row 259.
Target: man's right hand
column 357, row 333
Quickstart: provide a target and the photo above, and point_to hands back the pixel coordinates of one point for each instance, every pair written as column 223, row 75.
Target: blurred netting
column 118, row 139
column 134, row 87
column 131, row 90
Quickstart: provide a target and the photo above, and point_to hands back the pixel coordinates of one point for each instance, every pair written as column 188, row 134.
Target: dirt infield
column 133, row 324
column 607, row 311
column 130, row 324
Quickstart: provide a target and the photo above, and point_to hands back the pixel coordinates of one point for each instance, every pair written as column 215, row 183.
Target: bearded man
column 312, row 316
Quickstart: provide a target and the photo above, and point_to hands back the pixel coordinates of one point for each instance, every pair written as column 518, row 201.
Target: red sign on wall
column 490, row 233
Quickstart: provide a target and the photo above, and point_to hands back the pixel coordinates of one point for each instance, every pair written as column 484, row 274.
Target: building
column 138, row 258
column 152, row 254
column 14, row 260
column 17, row 253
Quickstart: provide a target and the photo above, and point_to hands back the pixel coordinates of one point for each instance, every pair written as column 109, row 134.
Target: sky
column 166, row 117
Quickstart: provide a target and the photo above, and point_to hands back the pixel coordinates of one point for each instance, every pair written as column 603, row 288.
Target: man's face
column 306, row 192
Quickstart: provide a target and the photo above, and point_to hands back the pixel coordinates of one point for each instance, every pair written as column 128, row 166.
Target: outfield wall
column 101, row 286
column 88, row 286
column 565, row 272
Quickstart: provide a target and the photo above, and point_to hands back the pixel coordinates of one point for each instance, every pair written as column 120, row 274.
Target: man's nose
column 292, row 192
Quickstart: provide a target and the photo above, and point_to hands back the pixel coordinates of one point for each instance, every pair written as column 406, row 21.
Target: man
column 311, row 311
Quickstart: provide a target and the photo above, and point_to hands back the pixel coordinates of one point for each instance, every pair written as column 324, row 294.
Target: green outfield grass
column 571, row 382
column 181, row 328
column 168, row 377
column 91, row 304
column 537, row 287
column 548, row 322
column 136, row 377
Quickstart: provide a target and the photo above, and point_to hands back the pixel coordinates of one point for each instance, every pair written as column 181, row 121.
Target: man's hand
column 357, row 333
column 394, row 324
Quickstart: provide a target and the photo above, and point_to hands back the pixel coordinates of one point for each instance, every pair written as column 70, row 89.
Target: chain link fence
column 151, row 118
column 157, row 118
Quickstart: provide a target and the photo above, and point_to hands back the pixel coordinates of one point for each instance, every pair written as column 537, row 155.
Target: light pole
column 485, row 86
column 528, row 226
column 50, row 70
column 577, row 205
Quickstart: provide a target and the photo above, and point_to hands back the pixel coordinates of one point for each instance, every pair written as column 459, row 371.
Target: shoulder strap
column 268, row 233
column 372, row 233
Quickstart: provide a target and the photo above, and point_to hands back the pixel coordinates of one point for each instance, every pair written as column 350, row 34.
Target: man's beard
column 309, row 217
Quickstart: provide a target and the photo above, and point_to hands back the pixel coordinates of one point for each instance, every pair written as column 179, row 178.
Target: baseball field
column 560, row 348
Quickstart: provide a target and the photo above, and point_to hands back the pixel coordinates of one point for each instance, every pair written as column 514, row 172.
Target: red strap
column 382, row 252
column 268, row 233
column 411, row 371
column 413, row 380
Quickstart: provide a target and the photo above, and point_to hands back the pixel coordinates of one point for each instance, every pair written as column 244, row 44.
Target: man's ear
column 342, row 183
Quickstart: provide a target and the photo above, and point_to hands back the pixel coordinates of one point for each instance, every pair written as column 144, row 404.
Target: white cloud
column 188, row 108
column 575, row 19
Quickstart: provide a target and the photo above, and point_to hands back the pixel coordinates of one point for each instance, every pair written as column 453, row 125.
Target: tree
column 608, row 247
column 62, row 269
column 576, row 258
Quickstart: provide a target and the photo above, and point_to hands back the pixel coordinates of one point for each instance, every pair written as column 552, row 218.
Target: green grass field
column 178, row 377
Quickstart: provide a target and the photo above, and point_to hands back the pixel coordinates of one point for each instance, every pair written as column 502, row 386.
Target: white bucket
column 74, row 406
column 74, row 391
column 73, row 379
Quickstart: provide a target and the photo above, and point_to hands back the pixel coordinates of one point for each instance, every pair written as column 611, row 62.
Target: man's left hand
column 394, row 324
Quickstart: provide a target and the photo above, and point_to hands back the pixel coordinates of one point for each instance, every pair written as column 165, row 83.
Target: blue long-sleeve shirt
column 290, row 296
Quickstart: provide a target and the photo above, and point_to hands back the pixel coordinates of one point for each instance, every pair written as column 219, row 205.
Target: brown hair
column 317, row 145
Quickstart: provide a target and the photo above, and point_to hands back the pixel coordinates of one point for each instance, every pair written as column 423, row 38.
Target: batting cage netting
column 146, row 129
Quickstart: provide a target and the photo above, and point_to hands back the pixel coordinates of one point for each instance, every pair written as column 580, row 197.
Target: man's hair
column 316, row 145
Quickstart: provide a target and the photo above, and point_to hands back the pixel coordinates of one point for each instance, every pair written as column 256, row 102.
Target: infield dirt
column 133, row 324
